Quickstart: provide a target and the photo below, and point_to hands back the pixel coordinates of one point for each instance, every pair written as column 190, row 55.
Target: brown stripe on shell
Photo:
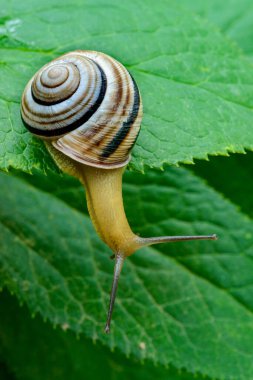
column 43, row 115
column 52, row 100
column 81, row 120
column 122, row 138
column 104, row 133
column 116, row 100
column 92, row 155
column 103, row 140
column 86, row 143
column 61, row 116
column 59, row 92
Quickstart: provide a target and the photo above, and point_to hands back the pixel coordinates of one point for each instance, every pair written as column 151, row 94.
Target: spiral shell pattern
column 87, row 105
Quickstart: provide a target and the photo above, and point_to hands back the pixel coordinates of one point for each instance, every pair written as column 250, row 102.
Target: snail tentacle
column 117, row 270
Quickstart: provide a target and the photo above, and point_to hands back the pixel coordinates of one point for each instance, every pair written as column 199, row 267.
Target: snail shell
column 88, row 105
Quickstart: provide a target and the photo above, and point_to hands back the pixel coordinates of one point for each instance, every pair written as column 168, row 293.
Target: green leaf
column 65, row 357
column 233, row 17
column 18, row 149
column 186, row 302
column 196, row 86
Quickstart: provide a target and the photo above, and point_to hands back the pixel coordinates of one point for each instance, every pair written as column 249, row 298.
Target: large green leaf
column 233, row 17
column 196, row 86
column 64, row 357
column 185, row 302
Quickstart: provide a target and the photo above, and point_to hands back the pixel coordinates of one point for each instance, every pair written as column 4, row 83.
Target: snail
column 87, row 108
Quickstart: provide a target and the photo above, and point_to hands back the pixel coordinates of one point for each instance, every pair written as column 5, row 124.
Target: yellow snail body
column 88, row 109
